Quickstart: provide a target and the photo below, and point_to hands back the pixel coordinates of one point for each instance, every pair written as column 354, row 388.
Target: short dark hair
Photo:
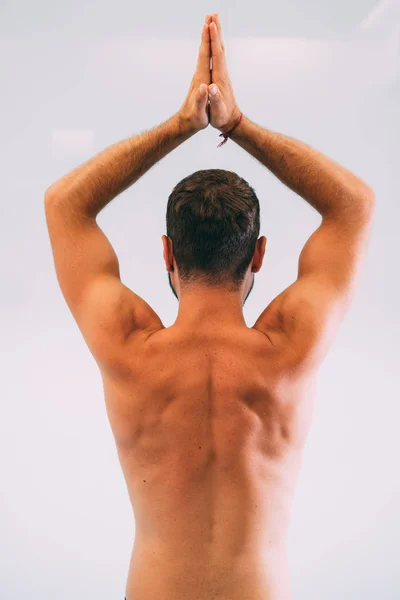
column 213, row 220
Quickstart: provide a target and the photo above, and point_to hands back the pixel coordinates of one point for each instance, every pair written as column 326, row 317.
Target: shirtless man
column 209, row 416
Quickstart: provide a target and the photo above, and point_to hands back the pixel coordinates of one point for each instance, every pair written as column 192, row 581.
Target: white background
column 78, row 77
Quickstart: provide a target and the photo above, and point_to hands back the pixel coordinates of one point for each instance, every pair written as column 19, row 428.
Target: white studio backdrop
column 77, row 78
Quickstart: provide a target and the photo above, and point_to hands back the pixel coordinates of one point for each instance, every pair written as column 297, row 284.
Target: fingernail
column 213, row 90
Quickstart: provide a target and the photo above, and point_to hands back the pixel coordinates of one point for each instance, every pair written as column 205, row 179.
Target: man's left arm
column 87, row 267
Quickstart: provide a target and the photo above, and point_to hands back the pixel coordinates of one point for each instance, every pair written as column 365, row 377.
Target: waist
column 196, row 570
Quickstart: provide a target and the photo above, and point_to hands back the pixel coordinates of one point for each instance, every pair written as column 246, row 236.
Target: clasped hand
column 201, row 106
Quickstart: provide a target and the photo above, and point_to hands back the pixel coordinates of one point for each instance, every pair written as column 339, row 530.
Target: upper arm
column 304, row 319
column 87, row 269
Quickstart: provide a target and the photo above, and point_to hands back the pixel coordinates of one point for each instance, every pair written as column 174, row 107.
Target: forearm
column 91, row 186
column 323, row 183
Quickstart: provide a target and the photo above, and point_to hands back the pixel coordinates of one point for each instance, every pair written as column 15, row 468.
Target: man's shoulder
column 123, row 359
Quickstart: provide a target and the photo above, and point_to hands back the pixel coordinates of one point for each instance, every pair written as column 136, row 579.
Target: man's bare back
column 209, row 416
column 210, row 433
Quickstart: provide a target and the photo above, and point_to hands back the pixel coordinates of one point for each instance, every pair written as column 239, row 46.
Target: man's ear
column 167, row 251
column 259, row 254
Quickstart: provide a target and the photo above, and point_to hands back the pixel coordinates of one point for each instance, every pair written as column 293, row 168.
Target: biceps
column 87, row 270
column 314, row 306
column 312, row 312
column 82, row 253
column 87, row 267
column 334, row 252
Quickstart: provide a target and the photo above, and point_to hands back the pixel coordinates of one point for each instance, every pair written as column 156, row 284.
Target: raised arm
column 303, row 320
column 305, row 317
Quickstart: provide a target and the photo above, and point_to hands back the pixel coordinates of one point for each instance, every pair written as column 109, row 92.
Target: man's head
column 213, row 223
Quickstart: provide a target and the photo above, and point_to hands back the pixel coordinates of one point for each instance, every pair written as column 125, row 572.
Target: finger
column 215, row 99
column 203, row 63
column 215, row 19
column 201, row 96
column 217, row 52
column 209, row 21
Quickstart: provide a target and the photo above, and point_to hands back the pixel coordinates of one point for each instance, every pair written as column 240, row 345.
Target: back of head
column 213, row 219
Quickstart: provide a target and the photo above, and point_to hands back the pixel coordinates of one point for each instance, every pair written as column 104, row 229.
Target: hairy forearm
column 91, row 186
column 327, row 186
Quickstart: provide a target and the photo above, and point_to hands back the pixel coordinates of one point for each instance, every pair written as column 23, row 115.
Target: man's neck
column 199, row 308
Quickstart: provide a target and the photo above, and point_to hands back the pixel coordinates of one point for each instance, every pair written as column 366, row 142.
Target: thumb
column 201, row 96
column 214, row 97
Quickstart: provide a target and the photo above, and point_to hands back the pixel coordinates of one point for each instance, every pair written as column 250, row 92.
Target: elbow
column 56, row 190
column 370, row 201
column 366, row 207
column 370, row 195
column 53, row 196
column 50, row 193
column 52, row 200
column 365, row 200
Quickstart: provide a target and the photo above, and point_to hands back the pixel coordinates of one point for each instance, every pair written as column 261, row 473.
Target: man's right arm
column 306, row 316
